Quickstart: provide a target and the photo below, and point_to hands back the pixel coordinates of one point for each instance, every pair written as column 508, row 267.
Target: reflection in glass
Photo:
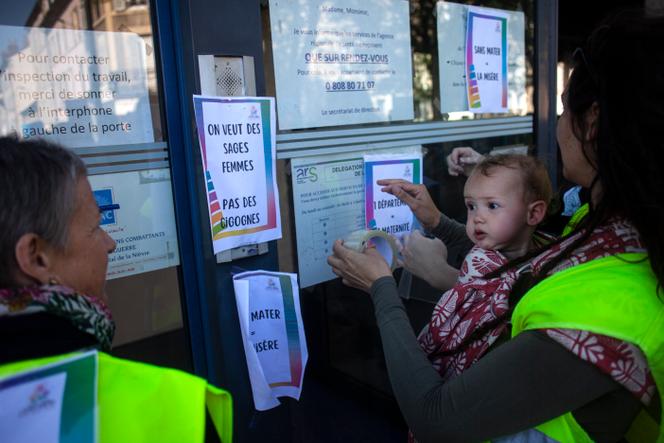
column 64, row 64
column 44, row 95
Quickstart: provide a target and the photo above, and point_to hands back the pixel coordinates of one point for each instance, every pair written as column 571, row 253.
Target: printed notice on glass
column 486, row 61
column 268, row 307
column 384, row 211
column 237, row 141
column 138, row 213
column 74, row 87
column 342, row 62
column 328, row 201
column 452, row 21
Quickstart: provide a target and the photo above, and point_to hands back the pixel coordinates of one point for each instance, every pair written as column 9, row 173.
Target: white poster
column 384, row 211
column 452, row 21
column 79, row 88
column 268, row 306
column 328, row 202
column 31, row 411
column 54, row 402
column 486, row 60
column 341, row 63
column 138, row 213
column 237, row 141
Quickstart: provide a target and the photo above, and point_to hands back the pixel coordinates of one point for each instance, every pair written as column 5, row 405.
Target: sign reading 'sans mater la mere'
column 486, row 60
column 490, row 44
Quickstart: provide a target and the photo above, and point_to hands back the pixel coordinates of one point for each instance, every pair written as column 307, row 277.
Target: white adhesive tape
column 383, row 242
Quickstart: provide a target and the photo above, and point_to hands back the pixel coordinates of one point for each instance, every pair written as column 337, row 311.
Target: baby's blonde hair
column 536, row 182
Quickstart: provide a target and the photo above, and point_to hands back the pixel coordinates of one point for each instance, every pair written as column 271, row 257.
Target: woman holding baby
column 546, row 340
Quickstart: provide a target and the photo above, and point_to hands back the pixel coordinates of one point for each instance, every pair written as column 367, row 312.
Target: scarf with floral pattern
column 87, row 314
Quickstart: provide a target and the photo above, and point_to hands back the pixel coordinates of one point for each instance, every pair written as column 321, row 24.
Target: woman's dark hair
column 621, row 69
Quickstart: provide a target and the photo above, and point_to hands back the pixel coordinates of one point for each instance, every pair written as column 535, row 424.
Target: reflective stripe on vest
column 141, row 403
column 613, row 296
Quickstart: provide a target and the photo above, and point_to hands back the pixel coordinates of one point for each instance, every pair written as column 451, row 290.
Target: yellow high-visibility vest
column 141, row 403
column 614, row 296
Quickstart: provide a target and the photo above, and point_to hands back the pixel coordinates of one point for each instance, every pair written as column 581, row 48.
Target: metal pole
column 546, row 57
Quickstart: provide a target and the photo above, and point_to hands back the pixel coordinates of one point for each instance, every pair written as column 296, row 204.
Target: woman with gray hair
column 53, row 254
column 53, row 260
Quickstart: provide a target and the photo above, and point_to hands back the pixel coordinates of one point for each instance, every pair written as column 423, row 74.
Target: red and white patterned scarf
column 468, row 306
column 475, row 300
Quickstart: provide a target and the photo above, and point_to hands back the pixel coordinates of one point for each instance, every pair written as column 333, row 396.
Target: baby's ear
column 536, row 212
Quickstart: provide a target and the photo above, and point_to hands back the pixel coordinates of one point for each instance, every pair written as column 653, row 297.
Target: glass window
column 424, row 46
column 424, row 21
column 339, row 320
column 83, row 74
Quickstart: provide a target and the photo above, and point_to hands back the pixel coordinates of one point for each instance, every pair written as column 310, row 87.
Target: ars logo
column 306, row 174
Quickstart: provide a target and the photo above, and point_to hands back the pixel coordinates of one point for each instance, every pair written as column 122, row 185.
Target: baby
column 506, row 197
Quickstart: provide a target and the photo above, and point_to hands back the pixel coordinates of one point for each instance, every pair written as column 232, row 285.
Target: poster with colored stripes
column 237, row 141
column 382, row 210
column 268, row 306
column 486, row 60
column 52, row 403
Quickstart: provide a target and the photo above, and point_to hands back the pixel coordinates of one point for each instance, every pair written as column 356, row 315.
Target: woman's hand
column 416, row 197
column 358, row 269
column 427, row 259
column 461, row 160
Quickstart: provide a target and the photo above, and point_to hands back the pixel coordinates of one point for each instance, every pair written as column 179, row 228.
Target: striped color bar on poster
column 215, row 209
column 473, row 89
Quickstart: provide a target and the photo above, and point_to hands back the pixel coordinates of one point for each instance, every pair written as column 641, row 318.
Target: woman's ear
column 34, row 259
column 536, row 213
